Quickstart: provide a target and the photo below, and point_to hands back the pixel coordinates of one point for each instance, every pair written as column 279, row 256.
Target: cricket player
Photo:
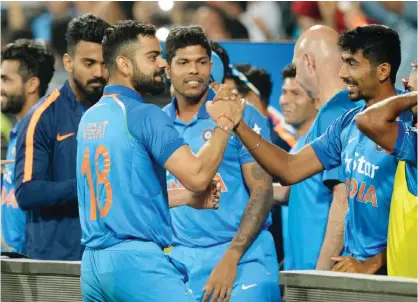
column 124, row 148
column 380, row 123
column 230, row 252
column 371, row 56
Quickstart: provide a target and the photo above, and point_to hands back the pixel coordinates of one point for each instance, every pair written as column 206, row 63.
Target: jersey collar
column 123, row 90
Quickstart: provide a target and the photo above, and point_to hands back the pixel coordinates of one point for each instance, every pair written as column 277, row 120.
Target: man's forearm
column 210, row 156
column 288, row 168
column 252, row 221
column 334, row 235
column 379, row 121
column 40, row 193
column 179, row 197
column 265, row 153
column 387, row 111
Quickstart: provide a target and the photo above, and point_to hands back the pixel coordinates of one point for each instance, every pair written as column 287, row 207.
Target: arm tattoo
column 256, row 212
column 257, row 172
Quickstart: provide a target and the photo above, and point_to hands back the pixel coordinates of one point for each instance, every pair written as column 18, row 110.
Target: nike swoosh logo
column 351, row 139
column 244, row 287
column 62, row 137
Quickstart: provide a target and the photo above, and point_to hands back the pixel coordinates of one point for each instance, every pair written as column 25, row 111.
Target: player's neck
column 121, row 82
column 384, row 92
column 303, row 128
column 30, row 102
column 187, row 109
column 330, row 89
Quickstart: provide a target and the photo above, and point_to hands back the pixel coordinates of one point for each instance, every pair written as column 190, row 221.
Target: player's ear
column 124, row 65
column 67, row 60
column 383, row 72
column 309, row 62
column 32, row 85
column 168, row 72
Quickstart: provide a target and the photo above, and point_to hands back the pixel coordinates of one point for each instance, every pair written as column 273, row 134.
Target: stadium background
column 259, row 33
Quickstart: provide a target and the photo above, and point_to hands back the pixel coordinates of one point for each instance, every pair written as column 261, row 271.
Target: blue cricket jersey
column 123, row 144
column 369, row 173
column 310, row 200
column 13, row 219
column 196, row 228
column 300, row 143
column 406, row 150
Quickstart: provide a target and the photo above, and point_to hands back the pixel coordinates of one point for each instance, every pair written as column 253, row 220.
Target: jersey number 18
column 101, row 179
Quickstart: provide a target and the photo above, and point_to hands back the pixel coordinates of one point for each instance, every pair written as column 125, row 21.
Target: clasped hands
column 226, row 109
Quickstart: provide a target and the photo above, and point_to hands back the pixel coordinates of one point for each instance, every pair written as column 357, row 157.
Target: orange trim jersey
column 45, row 176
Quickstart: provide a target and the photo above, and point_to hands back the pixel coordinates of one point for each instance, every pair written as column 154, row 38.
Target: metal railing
column 24, row 280
column 315, row 286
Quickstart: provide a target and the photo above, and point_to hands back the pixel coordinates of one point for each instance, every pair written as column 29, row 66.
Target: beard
column 146, row 84
column 90, row 96
column 14, row 103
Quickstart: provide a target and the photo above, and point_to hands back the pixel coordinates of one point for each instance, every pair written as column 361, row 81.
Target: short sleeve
column 406, row 143
column 152, row 127
column 333, row 176
column 328, row 147
column 259, row 124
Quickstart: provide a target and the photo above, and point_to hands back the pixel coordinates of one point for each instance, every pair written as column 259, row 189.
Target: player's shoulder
column 167, row 109
column 251, row 112
column 349, row 115
column 41, row 113
column 140, row 113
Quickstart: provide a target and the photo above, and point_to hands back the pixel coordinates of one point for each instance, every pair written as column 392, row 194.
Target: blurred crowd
column 257, row 21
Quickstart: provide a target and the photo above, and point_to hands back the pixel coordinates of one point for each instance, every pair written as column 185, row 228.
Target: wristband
column 225, row 129
column 256, row 146
column 228, row 118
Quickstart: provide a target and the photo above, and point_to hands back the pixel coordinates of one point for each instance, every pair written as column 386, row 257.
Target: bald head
column 320, row 40
column 316, row 56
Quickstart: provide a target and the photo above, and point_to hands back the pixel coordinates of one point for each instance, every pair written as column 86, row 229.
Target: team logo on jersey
column 378, row 148
column 257, row 129
column 207, row 134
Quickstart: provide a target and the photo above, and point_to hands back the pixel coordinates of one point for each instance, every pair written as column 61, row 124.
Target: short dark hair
column 87, row 28
column 222, row 53
column 259, row 77
column 35, row 59
column 289, row 71
column 120, row 35
column 183, row 36
column 378, row 43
